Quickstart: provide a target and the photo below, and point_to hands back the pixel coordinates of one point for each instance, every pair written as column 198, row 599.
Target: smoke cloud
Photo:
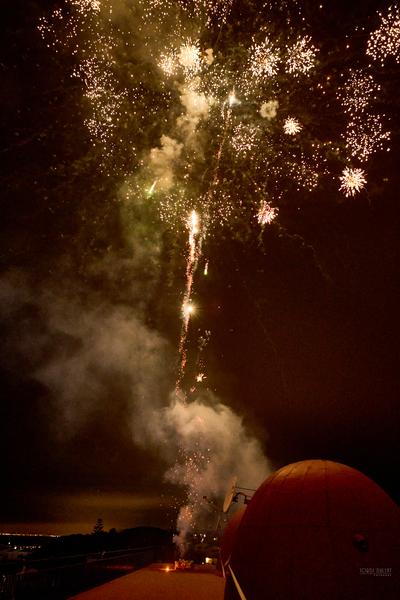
column 85, row 353
column 163, row 161
column 215, row 440
column 102, row 359
column 269, row 109
column 212, row 444
column 209, row 56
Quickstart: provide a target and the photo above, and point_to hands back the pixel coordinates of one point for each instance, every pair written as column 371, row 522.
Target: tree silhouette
column 99, row 526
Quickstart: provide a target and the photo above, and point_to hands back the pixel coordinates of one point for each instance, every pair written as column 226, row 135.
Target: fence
column 62, row 577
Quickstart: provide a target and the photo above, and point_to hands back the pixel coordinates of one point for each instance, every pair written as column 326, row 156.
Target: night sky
column 303, row 313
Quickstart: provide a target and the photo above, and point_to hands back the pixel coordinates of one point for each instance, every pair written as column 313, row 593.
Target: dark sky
column 303, row 315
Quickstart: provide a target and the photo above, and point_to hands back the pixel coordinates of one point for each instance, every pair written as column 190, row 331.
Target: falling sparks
column 95, row 67
column 301, row 56
column 244, row 138
column 352, row 181
column 385, row 41
column 365, row 132
column 291, row 126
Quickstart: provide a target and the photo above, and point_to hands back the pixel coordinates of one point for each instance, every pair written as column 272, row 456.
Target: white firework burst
column 189, row 57
column 168, row 63
column 264, row 59
column 291, row 126
column 385, row 41
column 301, row 56
column 266, row 213
column 352, row 181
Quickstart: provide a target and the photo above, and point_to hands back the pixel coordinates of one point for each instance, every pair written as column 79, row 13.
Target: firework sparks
column 266, row 213
column 245, row 138
column 385, row 41
column 262, row 77
column 168, row 63
column 264, row 59
column 359, row 90
column 291, row 126
column 301, row 56
column 195, row 242
column 83, row 6
column 232, row 99
column 189, row 57
column 152, row 188
column 95, row 67
column 365, row 133
column 215, row 110
column 364, row 136
column 352, row 181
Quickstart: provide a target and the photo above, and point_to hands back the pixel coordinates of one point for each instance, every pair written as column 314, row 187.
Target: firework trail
column 197, row 233
column 195, row 243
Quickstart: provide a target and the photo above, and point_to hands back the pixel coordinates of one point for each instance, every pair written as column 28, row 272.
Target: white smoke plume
column 269, row 109
column 83, row 351
column 197, row 106
column 163, row 161
column 212, row 444
column 209, row 56
column 96, row 358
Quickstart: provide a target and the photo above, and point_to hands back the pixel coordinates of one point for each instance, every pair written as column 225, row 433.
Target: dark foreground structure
column 314, row 529
column 158, row 583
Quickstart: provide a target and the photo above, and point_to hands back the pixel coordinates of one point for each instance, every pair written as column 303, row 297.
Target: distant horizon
column 29, row 534
column 62, row 530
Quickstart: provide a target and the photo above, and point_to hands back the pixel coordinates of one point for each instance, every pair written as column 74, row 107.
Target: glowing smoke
column 163, row 160
column 98, row 358
column 269, row 109
column 213, row 445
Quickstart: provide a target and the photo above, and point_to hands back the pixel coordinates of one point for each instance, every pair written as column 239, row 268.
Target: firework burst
column 291, row 126
column 266, row 213
column 352, row 181
column 264, row 59
column 226, row 106
column 204, row 117
column 385, row 40
column 301, row 56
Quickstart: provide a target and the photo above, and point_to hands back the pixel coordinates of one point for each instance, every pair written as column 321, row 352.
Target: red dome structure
column 316, row 530
column 228, row 539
